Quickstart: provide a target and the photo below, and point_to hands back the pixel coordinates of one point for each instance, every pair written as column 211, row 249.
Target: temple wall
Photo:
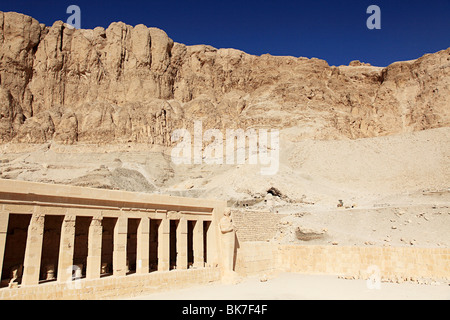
column 394, row 264
column 255, row 225
column 62, row 242
column 67, row 242
column 255, row 258
column 114, row 287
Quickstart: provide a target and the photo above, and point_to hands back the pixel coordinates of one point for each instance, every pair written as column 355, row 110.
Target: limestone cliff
column 134, row 84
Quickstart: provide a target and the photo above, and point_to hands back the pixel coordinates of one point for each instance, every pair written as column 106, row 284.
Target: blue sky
column 332, row 30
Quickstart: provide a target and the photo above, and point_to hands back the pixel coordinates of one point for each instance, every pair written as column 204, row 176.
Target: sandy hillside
column 394, row 189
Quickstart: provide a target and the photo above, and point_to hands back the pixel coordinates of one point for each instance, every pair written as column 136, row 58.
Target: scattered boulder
column 308, row 234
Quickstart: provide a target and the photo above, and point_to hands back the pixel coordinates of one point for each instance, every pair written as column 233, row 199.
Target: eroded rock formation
column 134, row 84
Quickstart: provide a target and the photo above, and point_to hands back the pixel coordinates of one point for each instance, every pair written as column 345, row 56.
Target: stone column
column 143, row 246
column 120, row 247
column 211, row 245
column 164, row 245
column 4, row 217
column 33, row 250
column 94, row 258
column 66, row 247
column 199, row 259
column 182, row 244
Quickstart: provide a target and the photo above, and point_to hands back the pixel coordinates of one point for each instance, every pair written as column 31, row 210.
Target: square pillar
column 66, row 247
column 143, row 246
column 199, row 259
column 4, row 217
column 182, row 244
column 211, row 245
column 164, row 245
column 94, row 258
column 33, row 250
column 120, row 247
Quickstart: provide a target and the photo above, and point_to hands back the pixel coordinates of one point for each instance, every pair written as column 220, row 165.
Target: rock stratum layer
column 135, row 84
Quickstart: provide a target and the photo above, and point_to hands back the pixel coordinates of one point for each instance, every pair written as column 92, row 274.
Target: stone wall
column 255, row 225
column 255, row 258
column 114, row 287
column 359, row 262
column 393, row 264
column 256, row 255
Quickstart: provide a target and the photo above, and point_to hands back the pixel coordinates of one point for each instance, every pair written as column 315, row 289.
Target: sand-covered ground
column 290, row 286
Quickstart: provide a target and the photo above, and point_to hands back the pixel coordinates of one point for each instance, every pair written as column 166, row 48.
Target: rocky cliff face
column 134, row 84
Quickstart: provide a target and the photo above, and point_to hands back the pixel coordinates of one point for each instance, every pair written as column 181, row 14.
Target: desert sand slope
column 310, row 171
column 397, row 185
